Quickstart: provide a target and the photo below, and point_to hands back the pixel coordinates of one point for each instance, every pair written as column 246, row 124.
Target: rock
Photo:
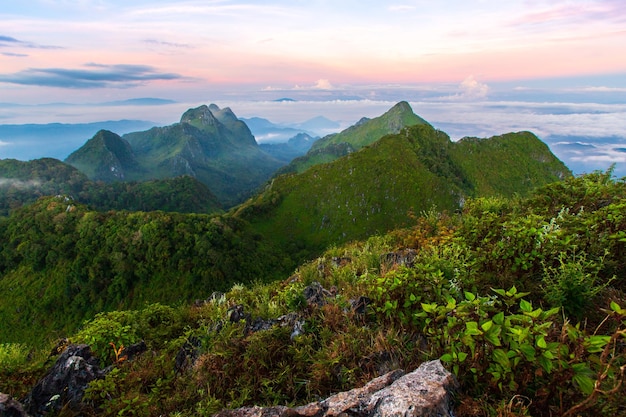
column 425, row 392
column 65, row 383
column 10, row 407
column 187, row 354
column 315, row 294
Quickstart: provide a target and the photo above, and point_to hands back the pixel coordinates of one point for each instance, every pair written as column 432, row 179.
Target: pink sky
column 87, row 50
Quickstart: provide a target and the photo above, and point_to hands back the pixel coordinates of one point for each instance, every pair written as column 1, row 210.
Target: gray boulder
column 65, row 383
column 425, row 392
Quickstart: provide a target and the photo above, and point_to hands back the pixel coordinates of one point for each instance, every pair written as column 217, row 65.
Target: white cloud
column 471, row 88
column 402, row 8
column 321, row 84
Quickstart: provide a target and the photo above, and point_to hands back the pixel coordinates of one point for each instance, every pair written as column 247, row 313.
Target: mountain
column 317, row 124
column 70, row 262
column 209, row 143
column 293, row 148
column 377, row 188
column 22, row 183
column 363, row 133
column 265, row 131
column 105, row 157
column 520, row 298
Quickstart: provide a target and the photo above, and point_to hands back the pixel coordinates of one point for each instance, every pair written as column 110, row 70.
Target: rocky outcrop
column 425, row 392
column 65, row 383
column 10, row 407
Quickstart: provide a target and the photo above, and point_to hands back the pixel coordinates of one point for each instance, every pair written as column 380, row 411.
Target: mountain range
column 74, row 255
column 209, row 143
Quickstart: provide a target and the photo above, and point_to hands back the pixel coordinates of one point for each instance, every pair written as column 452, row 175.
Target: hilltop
column 363, row 133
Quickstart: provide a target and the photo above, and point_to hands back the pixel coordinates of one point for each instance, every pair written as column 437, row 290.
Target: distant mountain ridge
column 209, row 143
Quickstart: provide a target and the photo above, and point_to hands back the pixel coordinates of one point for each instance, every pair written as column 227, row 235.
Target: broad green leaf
column 429, row 308
column 528, row 351
column 469, row 296
column 446, row 357
column 616, row 307
column 501, row 358
column 486, row 325
column 585, row 383
column 545, row 363
column 525, row 306
column 471, row 328
column 499, row 318
column 493, row 335
column 541, row 342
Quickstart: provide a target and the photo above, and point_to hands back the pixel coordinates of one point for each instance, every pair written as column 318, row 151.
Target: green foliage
column 13, row 356
column 108, row 332
column 520, row 298
column 25, row 182
column 574, row 284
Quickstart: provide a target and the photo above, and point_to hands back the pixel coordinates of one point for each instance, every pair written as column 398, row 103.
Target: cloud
column 401, row 8
column 13, row 54
column 470, row 88
column 321, row 84
column 166, row 46
column 10, row 182
column 9, row 41
column 93, row 76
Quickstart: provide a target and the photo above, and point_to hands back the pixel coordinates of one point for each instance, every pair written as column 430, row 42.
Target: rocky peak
column 202, row 116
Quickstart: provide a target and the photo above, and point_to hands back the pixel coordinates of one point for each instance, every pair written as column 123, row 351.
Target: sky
column 470, row 67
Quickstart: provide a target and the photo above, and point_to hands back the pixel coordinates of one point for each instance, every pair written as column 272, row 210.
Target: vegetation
column 22, row 183
column 494, row 291
column 61, row 263
column 372, row 190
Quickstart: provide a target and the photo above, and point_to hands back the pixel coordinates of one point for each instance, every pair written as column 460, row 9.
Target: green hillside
column 365, row 132
column 379, row 187
column 105, row 157
column 61, row 263
column 522, row 299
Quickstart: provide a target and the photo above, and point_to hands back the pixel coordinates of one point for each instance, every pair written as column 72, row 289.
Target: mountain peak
column 106, row 156
column 200, row 116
